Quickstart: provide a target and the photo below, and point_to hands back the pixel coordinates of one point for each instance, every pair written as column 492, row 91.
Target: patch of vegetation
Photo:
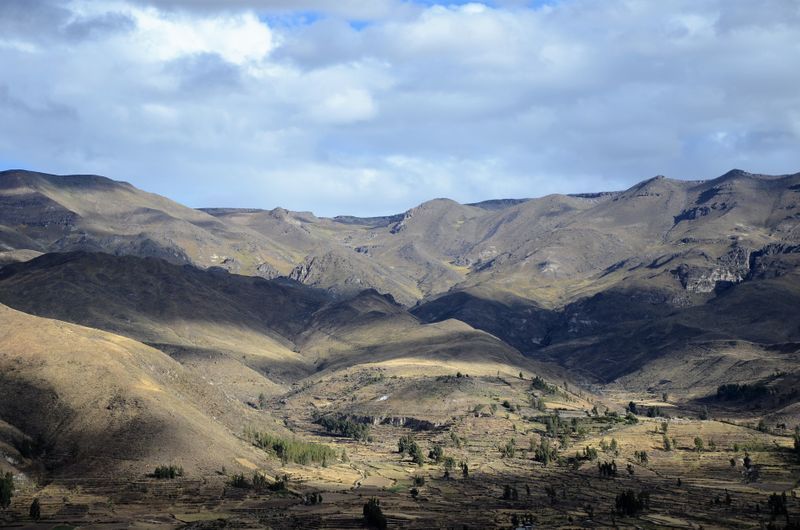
column 510, row 493
column 293, row 450
column 407, row 445
column 344, row 426
column 35, row 510
column 607, row 469
column 6, row 490
column 544, row 452
column 630, row 504
column 537, row 383
column 737, row 392
column 373, row 515
column 168, row 472
column 436, row 454
column 509, row 449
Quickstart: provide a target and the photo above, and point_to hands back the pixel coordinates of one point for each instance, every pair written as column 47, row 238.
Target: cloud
column 272, row 103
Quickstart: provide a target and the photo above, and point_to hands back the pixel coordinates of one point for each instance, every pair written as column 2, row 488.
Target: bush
column 35, row 510
column 168, row 472
column 509, row 449
column 6, row 490
column 436, row 454
column 698, row 444
column 239, row 481
column 373, row 515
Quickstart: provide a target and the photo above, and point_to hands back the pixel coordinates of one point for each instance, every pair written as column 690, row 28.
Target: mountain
column 501, row 338
column 49, row 213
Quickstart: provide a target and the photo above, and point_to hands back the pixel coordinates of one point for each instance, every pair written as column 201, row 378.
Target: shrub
column 436, row 454
column 698, row 444
column 238, row 481
column 168, row 472
column 373, row 515
column 35, row 510
column 509, row 449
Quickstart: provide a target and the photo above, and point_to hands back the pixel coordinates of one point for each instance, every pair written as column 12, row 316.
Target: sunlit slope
column 92, row 402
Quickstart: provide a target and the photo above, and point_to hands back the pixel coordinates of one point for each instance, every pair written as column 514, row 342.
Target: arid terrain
column 623, row 359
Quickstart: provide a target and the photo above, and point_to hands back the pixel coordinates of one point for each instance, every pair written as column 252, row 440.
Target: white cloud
column 213, row 102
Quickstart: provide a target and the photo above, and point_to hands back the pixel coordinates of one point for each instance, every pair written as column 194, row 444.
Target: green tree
column 698, row 444
column 436, row 454
column 373, row 515
column 416, row 454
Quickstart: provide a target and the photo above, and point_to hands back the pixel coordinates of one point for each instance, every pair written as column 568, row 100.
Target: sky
column 370, row 107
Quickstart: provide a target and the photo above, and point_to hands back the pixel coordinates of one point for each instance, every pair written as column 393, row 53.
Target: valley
column 163, row 366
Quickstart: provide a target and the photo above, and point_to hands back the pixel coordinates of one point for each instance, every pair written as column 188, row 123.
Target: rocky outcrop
column 267, row 271
column 774, row 260
column 732, row 267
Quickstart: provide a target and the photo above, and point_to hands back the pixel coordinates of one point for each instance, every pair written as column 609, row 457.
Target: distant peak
column 734, row 173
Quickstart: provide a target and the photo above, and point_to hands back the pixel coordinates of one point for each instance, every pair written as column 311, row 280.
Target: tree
column 36, row 510
column 509, row 449
column 667, row 443
column 614, row 447
column 373, row 515
column 262, row 401
column 436, row 454
column 698, row 444
column 416, row 454
column 703, row 413
column 465, row 469
column 628, row 503
column 6, row 490
column 632, row 408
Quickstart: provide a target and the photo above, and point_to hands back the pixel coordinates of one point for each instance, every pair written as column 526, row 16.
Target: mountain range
column 125, row 314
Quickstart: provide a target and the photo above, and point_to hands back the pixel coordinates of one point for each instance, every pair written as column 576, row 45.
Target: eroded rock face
column 774, row 260
column 732, row 267
column 265, row 270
